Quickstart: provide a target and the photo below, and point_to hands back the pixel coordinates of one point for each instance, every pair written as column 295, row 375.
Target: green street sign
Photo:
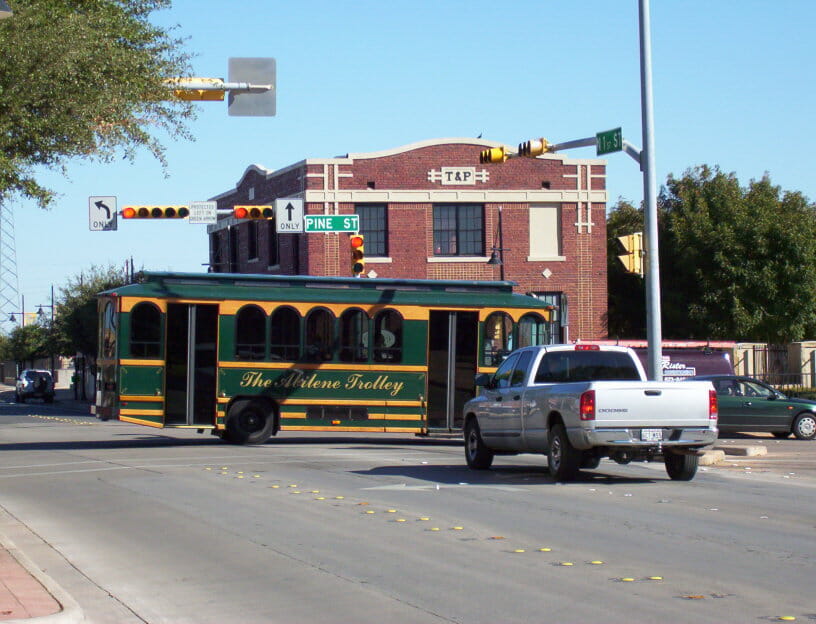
column 609, row 141
column 331, row 223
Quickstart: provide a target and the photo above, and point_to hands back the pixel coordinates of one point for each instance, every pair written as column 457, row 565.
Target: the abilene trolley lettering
column 246, row 356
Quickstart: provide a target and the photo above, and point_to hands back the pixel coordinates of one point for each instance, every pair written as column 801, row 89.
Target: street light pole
column 654, row 334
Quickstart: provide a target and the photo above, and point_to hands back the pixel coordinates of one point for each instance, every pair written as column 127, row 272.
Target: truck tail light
column 587, row 407
column 587, row 347
column 712, row 405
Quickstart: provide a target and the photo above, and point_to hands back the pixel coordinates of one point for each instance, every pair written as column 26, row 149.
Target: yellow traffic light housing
column 493, row 155
column 253, row 212
column 155, row 212
column 357, row 242
column 633, row 258
column 534, row 147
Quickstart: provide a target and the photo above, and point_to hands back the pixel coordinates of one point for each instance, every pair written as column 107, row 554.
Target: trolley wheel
column 250, row 421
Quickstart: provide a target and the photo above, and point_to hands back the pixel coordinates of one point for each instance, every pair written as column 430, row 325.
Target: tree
column 76, row 323
column 83, row 78
column 25, row 344
column 626, row 310
column 736, row 263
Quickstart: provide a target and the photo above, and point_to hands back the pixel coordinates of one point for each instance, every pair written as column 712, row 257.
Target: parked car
column 35, row 384
column 747, row 404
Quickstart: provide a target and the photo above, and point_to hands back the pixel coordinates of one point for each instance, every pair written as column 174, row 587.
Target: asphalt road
column 145, row 525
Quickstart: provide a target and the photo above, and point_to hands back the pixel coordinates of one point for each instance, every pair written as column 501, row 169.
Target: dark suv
column 35, row 384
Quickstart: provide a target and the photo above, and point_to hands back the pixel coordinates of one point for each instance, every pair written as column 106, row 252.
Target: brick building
column 429, row 210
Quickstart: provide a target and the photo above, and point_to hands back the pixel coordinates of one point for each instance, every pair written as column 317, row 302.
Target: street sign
column 288, row 215
column 332, row 223
column 203, row 212
column 102, row 213
column 609, row 141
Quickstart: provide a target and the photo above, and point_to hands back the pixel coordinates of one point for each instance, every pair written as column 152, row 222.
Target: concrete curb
column 710, row 458
column 71, row 612
column 743, row 451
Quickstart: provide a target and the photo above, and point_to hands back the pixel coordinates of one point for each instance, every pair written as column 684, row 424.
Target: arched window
column 284, row 335
column 533, row 330
column 498, row 338
column 108, row 331
column 250, row 333
column 145, row 331
column 388, row 337
column 319, row 339
column 354, row 336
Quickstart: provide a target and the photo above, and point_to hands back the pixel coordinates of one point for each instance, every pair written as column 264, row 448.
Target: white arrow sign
column 102, row 213
column 288, row 215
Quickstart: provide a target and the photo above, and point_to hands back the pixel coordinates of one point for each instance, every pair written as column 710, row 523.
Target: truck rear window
column 567, row 366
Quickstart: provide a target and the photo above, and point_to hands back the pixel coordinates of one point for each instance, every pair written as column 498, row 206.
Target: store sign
column 457, row 176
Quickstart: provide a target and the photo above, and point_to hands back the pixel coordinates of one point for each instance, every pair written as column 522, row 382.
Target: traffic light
column 253, row 212
column 357, row 242
column 534, row 147
column 155, row 212
column 633, row 258
column 493, row 155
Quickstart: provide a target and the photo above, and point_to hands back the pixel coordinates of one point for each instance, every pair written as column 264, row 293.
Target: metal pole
column 654, row 335
column 501, row 246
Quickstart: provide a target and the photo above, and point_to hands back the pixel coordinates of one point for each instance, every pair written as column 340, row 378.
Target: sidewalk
column 26, row 591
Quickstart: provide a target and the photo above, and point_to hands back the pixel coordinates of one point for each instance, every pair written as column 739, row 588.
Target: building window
column 272, row 243
column 374, row 226
column 145, row 331
column 354, row 336
column 215, row 253
column 545, row 231
column 458, row 229
column 233, row 249
column 498, row 338
column 284, row 336
column 252, row 240
column 250, row 333
column 319, row 343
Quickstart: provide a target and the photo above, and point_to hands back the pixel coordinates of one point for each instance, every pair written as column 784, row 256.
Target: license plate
column 651, row 435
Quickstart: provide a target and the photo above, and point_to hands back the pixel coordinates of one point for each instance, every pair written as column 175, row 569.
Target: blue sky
column 733, row 84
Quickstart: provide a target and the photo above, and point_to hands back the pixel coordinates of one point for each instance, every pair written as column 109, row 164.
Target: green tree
column 83, row 78
column 25, row 344
column 76, row 324
column 626, row 310
column 736, row 263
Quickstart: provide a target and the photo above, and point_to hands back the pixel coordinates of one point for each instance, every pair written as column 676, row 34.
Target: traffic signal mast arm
column 200, row 88
column 534, row 147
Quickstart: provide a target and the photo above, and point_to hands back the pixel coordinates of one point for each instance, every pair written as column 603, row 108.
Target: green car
column 746, row 404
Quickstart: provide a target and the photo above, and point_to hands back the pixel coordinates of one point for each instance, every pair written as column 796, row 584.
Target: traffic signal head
column 253, row 212
column 493, row 155
column 155, row 212
column 534, row 147
column 357, row 242
column 633, row 258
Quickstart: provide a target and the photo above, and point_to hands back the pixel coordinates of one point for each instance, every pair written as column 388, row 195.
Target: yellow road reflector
column 496, row 537
column 208, row 469
column 693, row 597
column 315, row 491
column 240, row 477
column 339, row 497
column 274, row 487
column 224, row 467
column 391, row 511
column 295, row 492
column 596, row 562
column 566, row 563
column 256, row 476
column 424, row 519
column 545, row 549
column 400, row 519
column 362, row 503
column 628, row 579
column 457, row 528
column 293, row 485
column 320, row 498
column 519, row 550
column 240, row 472
column 655, row 578
column 434, row 528
column 370, row 511
column 787, row 618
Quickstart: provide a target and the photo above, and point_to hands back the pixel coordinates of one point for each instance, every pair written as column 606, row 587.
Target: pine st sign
column 331, row 223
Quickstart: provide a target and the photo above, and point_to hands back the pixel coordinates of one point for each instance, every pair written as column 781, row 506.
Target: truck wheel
column 804, row 427
column 478, row 456
column 250, row 422
column 563, row 460
column 681, row 467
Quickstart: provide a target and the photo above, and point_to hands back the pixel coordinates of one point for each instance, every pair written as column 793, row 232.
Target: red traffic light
column 155, row 212
column 253, row 212
column 357, row 241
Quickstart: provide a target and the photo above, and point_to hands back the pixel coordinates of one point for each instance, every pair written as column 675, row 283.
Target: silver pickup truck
column 581, row 403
